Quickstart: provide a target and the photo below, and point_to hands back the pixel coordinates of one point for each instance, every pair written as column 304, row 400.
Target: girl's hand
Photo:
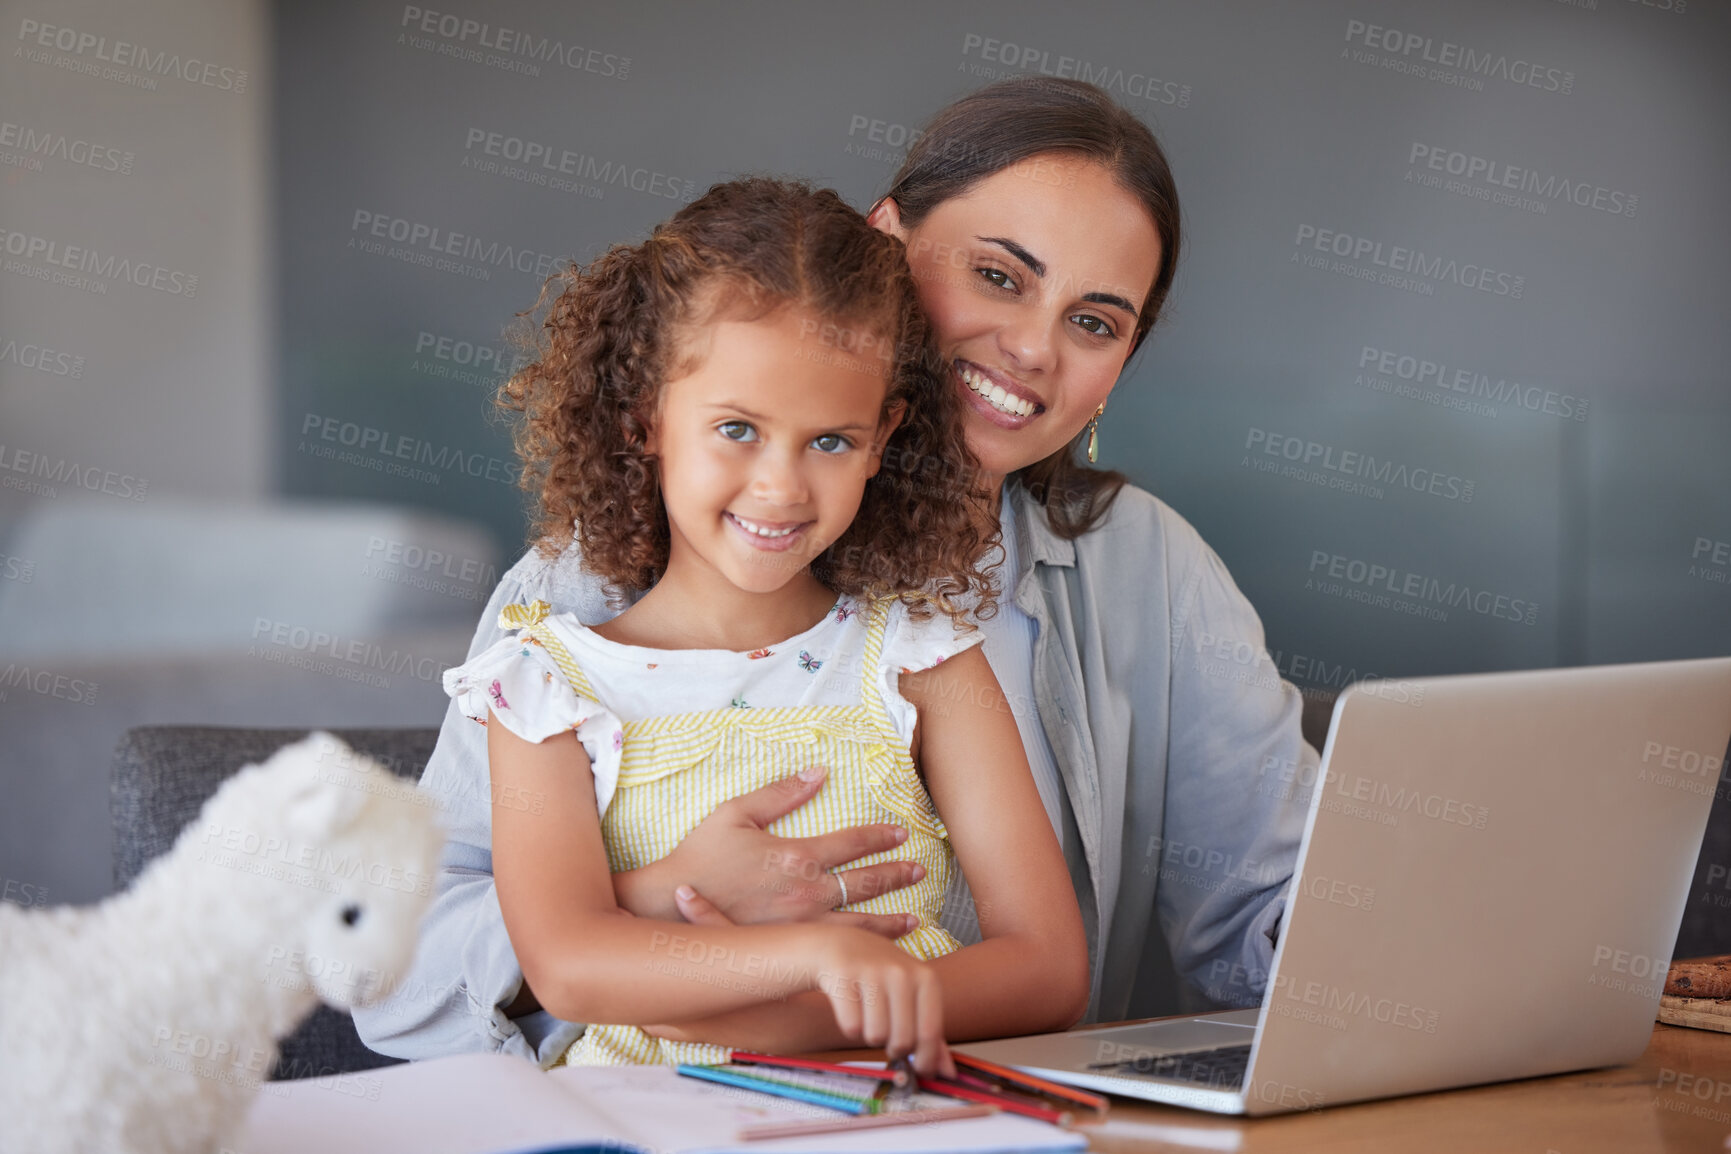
column 882, row 996
column 757, row 878
column 921, row 996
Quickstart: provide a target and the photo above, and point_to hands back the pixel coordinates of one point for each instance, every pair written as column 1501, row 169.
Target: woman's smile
column 997, row 396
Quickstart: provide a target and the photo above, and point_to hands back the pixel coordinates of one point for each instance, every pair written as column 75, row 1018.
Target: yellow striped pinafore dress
column 676, row 769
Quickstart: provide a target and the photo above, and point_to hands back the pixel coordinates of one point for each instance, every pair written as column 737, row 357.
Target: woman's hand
column 755, row 877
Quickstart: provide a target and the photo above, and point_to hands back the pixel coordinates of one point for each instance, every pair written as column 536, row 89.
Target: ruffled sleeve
column 911, row 646
column 520, row 682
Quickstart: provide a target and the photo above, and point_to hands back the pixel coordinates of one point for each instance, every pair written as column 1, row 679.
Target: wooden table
column 1675, row 1098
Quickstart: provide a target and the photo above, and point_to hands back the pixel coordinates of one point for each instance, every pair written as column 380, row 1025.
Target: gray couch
column 163, row 774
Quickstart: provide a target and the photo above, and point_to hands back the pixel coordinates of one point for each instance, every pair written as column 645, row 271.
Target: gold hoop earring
column 1094, row 434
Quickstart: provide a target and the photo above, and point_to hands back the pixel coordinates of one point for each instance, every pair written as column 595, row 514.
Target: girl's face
column 1033, row 280
column 765, row 448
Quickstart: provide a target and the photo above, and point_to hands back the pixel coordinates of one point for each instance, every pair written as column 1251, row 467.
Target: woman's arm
column 590, row 961
column 1029, row 974
column 450, row 1000
column 1238, row 780
column 732, row 858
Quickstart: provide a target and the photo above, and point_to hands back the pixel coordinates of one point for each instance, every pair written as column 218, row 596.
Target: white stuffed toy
column 146, row 1023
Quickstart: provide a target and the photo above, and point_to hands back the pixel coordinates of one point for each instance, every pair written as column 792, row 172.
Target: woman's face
column 1033, row 279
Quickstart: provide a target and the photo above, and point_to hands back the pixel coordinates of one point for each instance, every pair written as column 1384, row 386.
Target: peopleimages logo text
column 58, row 146
column 370, row 439
column 1124, row 82
column 105, row 266
column 1406, row 367
column 462, row 31
column 1447, row 54
column 1402, row 583
column 1398, row 258
column 1500, row 174
column 1352, row 463
column 548, row 160
column 128, row 55
column 437, row 241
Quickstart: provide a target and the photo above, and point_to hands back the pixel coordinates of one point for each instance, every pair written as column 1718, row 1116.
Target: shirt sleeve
column 911, row 646
column 1232, row 820
column 519, row 682
column 452, row 999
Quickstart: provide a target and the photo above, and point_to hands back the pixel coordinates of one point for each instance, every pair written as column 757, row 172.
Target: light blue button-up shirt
column 1175, row 738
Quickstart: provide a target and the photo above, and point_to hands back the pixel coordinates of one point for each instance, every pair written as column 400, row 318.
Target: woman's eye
column 832, row 443
column 736, row 431
column 1093, row 325
column 997, row 277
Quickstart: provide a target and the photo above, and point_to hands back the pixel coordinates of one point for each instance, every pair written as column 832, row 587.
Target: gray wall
column 150, row 359
column 1479, row 301
column 143, row 534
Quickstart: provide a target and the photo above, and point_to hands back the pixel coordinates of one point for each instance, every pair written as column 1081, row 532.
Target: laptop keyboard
column 1221, row 1068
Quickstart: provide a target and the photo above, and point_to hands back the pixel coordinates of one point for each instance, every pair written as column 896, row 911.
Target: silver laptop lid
column 1490, row 880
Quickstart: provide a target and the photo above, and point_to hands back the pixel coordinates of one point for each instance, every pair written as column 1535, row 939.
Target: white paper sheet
column 493, row 1104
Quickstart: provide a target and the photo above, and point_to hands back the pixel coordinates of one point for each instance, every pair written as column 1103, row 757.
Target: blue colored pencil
column 777, row 1089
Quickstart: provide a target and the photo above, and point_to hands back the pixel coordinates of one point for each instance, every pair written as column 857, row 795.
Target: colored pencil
column 747, row 1058
column 1007, row 1093
column 1020, row 1078
column 777, row 1089
column 804, row 1080
column 1009, row 1105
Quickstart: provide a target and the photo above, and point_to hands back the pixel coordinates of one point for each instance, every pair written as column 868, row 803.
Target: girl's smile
column 770, row 536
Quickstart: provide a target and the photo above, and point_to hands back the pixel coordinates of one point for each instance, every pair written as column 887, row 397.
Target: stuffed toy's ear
column 321, row 801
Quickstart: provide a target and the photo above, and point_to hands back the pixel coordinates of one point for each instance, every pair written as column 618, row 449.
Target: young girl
column 739, row 416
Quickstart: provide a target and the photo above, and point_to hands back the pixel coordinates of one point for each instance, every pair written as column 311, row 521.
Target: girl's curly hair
column 616, row 333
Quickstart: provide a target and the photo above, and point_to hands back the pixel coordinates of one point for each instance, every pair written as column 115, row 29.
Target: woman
column 1042, row 224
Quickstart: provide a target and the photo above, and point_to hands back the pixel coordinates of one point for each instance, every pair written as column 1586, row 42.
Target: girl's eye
column 736, row 431
column 1093, row 326
column 832, row 443
column 997, row 277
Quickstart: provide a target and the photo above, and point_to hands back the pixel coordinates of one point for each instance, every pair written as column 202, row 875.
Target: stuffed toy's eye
column 351, row 914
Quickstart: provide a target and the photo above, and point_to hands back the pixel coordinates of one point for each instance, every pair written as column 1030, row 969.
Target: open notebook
column 494, row 1104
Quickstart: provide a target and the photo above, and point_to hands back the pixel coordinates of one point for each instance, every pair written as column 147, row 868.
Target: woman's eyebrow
column 1114, row 300
column 1034, row 263
column 1038, row 268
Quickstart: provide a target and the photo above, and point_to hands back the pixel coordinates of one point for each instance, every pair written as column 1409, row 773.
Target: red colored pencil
column 1009, row 1105
column 747, row 1058
column 1041, row 1085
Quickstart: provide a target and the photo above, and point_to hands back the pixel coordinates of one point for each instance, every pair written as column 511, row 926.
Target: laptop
column 1489, row 886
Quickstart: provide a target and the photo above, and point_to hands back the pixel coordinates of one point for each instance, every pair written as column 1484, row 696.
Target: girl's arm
column 589, row 961
column 1029, row 974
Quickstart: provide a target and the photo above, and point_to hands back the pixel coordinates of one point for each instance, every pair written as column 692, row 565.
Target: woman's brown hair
column 616, row 333
column 1009, row 122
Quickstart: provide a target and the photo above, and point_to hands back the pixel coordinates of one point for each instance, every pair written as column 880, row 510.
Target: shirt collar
column 1034, row 534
